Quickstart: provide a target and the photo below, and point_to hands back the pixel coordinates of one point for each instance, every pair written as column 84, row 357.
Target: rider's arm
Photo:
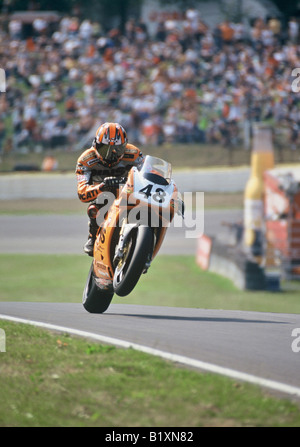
column 133, row 155
column 86, row 191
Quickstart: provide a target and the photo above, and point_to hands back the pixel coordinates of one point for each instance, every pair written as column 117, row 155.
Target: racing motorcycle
column 133, row 225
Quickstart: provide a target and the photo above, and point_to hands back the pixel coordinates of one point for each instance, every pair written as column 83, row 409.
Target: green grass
column 52, row 278
column 54, row 380
column 179, row 155
column 51, row 379
column 170, row 281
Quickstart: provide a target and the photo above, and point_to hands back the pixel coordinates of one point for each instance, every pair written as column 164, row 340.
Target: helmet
column 110, row 142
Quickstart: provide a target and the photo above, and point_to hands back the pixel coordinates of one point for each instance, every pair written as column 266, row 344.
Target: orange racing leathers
column 91, row 172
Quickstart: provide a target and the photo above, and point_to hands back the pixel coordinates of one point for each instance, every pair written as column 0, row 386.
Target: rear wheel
column 94, row 299
column 137, row 252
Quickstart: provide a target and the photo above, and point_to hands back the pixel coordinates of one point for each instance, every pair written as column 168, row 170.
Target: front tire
column 139, row 248
column 94, row 299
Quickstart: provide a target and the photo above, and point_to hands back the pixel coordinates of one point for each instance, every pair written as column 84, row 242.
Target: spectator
column 227, row 32
column 40, row 26
column 15, row 29
column 293, row 30
column 188, row 82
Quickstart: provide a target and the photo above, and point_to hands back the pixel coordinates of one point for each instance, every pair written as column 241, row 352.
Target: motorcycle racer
column 100, row 168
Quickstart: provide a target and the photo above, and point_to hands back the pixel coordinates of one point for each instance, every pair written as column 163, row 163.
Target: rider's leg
column 93, row 228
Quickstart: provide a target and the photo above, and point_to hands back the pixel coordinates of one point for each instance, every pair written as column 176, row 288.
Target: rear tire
column 94, row 299
column 140, row 247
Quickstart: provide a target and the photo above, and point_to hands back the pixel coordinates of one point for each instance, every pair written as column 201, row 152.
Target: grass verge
column 54, row 380
column 171, row 281
column 179, row 155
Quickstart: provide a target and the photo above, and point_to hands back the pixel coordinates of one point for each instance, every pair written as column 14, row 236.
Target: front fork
column 119, row 252
column 124, row 234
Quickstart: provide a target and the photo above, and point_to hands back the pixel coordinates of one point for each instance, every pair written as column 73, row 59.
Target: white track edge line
column 209, row 367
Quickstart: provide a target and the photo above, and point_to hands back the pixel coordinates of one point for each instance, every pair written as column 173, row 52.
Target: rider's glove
column 111, row 182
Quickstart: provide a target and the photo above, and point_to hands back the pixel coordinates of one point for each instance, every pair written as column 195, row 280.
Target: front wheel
column 94, row 299
column 137, row 252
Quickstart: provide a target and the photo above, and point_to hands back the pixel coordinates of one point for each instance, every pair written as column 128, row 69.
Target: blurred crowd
column 184, row 83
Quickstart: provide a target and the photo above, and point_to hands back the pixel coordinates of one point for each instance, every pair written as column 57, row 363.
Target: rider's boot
column 89, row 245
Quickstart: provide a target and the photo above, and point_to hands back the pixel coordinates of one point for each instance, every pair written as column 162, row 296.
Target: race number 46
column 158, row 196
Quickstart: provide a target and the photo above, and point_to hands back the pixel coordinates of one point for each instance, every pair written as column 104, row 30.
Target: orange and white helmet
column 110, row 142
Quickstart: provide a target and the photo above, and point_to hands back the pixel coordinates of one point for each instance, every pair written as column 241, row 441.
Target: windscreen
column 157, row 166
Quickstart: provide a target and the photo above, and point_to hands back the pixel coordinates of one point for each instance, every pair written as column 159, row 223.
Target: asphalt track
column 252, row 346
column 52, row 234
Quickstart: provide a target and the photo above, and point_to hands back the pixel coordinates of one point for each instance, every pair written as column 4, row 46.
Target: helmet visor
column 111, row 153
